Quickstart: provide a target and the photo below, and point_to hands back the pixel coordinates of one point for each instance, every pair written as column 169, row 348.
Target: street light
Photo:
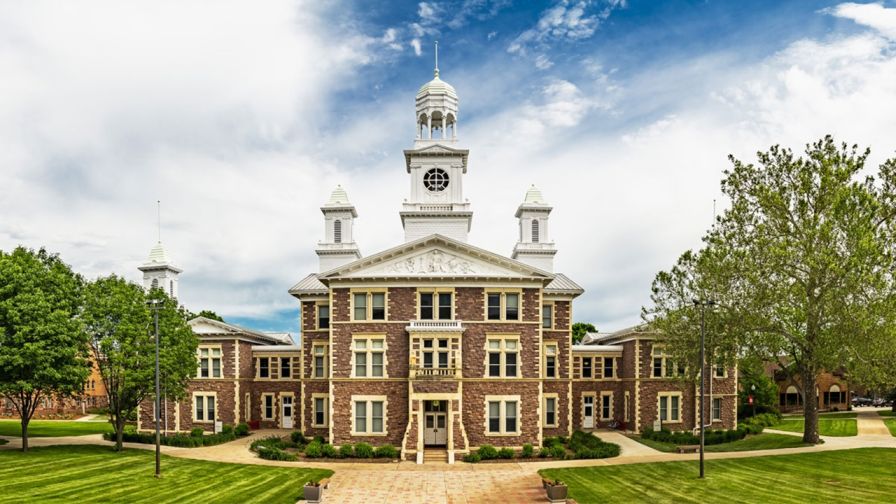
column 703, row 304
column 753, row 397
column 155, row 305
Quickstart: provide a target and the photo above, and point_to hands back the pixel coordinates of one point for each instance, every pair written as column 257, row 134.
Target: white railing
column 436, row 208
column 434, row 373
column 435, row 325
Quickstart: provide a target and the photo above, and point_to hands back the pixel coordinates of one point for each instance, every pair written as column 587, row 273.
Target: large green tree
column 580, row 329
column 43, row 347
column 119, row 320
column 801, row 266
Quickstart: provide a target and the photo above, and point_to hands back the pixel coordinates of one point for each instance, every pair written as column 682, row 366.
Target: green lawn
column 765, row 441
column 53, row 428
column 838, row 414
column 839, row 427
column 862, row 475
column 97, row 474
column 887, row 413
column 891, row 424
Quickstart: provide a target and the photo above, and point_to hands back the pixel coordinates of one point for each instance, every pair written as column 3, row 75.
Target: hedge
column 179, row 440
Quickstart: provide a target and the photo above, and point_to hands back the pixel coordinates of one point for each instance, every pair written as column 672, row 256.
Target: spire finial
column 159, row 221
column 437, row 59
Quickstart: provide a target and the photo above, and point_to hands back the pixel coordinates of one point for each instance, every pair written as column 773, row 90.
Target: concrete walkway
column 407, row 482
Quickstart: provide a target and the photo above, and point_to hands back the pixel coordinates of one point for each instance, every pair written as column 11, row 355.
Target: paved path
column 512, row 482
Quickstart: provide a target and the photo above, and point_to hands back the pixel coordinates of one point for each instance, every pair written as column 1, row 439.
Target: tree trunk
column 25, row 421
column 119, row 432
column 810, row 408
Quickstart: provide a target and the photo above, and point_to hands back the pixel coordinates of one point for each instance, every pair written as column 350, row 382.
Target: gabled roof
column 436, row 256
column 562, row 284
column 436, row 149
column 202, row 326
column 640, row 331
column 309, row 286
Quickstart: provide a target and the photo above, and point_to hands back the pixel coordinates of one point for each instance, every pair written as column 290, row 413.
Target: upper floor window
column 721, row 372
column 323, row 316
column 663, row 366
column 550, row 361
column 209, row 362
column 535, row 230
column 435, row 353
column 503, row 305
column 369, row 306
column 547, row 316
column 285, row 367
column 436, row 306
column 264, row 367
column 319, row 361
column 337, row 231
column 369, row 357
column 503, row 357
column 587, row 367
column 608, row 367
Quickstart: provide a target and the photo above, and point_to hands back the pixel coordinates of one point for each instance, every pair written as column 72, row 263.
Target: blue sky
column 242, row 116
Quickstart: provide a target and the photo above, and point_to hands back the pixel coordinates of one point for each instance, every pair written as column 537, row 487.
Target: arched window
column 337, row 231
column 155, row 283
column 534, row 231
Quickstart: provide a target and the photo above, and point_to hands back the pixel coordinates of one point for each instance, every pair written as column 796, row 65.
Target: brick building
column 435, row 342
column 832, row 388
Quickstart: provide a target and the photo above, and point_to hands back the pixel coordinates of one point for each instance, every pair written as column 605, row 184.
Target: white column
column 429, row 128
column 444, row 122
column 454, row 132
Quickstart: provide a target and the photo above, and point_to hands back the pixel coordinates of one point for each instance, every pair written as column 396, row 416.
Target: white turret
column 436, row 111
column 535, row 247
column 159, row 272
column 338, row 246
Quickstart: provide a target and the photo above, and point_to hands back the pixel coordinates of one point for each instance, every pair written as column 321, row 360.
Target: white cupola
column 535, row 247
column 159, row 272
column 338, row 246
column 436, row 107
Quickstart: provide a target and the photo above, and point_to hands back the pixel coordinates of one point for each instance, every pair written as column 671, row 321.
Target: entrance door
column 435, row 429
column 287, row 412
column 588, row 412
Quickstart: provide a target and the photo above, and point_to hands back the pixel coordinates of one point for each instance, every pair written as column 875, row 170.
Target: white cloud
column 565, row 20
column 874, row 15
column 415, row 43
column 429, row 12
column 542, row 62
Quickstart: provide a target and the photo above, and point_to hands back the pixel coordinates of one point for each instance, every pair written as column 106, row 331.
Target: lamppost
column 753, row 396
column 703, row 304
column 155, row 305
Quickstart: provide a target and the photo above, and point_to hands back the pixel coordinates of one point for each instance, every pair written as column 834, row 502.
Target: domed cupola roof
column 533, row 196
column 437, row 87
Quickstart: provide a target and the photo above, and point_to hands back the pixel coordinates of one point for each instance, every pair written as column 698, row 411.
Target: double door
column 435, row 429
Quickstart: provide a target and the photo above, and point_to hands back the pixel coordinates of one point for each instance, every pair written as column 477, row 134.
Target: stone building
column 435, row 343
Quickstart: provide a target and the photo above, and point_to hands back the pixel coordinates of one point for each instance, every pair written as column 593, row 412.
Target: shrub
column 241, row 430
column 363, row 450
column 299, row 438
column 275, row 454
column 506, row 453
column 558, row 451
column 386, row 451
column 320, row 439
column 544, row 453
column 179, row 440
column 472, row 458
column 528, row 451
column 197, row 432
column 227, row 429
column 488, row 452
column 314, row 450
column 329, row 451
column 347, row 451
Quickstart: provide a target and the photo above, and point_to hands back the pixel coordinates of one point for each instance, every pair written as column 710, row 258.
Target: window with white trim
column 717, row 409
column 209, row 362
column 606, row 406
column 550, row 411
column 609, row 367
column 323, row 316
column 267, row 407
column 436, row 306
column 319, row 361
column 319, row 411
column 369, row 305
column 663, row 366
column 435, row 353
column 550, row 360
column 720, row 371
column 547, row 316
column 370, row 354
column 503, row 305
column 587, row 363
column 503, row 357
column 369, row 416
column 670, row 407
column 264, row 367
column 503, row 416
column 203, row 407
column 285, row 367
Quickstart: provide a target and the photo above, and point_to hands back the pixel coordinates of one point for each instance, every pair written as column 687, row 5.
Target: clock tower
column 436, row 167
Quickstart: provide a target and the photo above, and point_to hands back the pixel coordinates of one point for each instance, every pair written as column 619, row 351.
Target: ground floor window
column 203, row 407
column 267, row 407
column 369, row 415
column 550, row 411
column 319, row 411
column 717, row 409
column 670, row 407
column 606, row 406
column 503, row 415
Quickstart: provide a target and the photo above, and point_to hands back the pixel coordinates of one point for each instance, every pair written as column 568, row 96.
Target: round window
column 436, row 179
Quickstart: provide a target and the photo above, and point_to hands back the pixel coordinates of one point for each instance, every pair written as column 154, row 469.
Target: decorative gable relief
column 435, row 262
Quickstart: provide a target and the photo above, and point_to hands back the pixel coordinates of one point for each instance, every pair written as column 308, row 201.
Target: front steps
column 435, row 456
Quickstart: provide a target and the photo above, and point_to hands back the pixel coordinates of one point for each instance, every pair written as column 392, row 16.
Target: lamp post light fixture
column 155, row 305
column 753, row 390
column 703, row 304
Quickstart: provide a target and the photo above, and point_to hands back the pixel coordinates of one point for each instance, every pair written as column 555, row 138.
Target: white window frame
column 503, row 400
column 258, row 368
column 210, row 358
column 503, row 351
column 612, row 412
column 603, row 368
column 503, row 305
column 280, row 367
column 368, row 418
column 369, row 306
column 582, row 367
column 550, row 308
column 368, row 351
column 326, row 410
column 436, row 305
column 555, row 355
column 556, row 399
column 713, row 410
column 264, row 406
column 317, row 317
column 205, row 396
column 323, row 356
column 668, row 396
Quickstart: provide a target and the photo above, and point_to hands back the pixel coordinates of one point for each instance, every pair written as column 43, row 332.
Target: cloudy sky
column 242, row 116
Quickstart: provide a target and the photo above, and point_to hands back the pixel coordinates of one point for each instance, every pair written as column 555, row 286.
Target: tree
column 210, row 315
column 122, row 336
column 43, row 347
column 800, row 266
column 580, row 329
column 753, row 381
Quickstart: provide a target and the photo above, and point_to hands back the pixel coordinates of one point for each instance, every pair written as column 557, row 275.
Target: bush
column 711, row 437
column 544, row 453
column 314, row 450
column 528, row 451
column 197, row 432
column 241, row 429
column 320, row 439
column 179, row 440
column 363, row 450
column 386, row 451
column 329, row 451
column 488, row 452
column 227, row 429
column 347, row 451
column 472, row 458
column 275, row 454
column 506, row 453
column 558, row 451
column 299, row 438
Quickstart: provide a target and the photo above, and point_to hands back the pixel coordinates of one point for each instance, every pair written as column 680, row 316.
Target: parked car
column 861, row 401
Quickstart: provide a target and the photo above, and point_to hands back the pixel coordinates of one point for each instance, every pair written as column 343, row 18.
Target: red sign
column 750, row 400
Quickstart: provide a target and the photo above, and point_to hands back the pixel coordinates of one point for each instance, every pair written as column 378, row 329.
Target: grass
column 97, row 474
column 891, row 424
column 765, row 441
column 838, row 414
column 838, row 427
column 861, row 475
column 886, row 413
column 53, row 428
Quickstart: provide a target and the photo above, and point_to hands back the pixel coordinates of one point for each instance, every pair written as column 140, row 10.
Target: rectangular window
column 209, row 362
column 320, row 412
column 503, row 416
column 717, row 409
column 657, row 367
column 361, row 306
column 606, row 406
column 503, row 357
column 285, row 367
column 369, row 358
column 378, row 310
column 369, row 305
column 720, row 371
column 547, row 316
column 670, row 407
column 268, row 413
column 264, row 367
column 443, row 353
column 494, row 306
column 550, row 411
column 204, row 408
column 550, row 361
column 511, row 307
column 445, row 308
column 436, row 306
column 320, row 361
column 370, row 417
column 608, row 367
column 361, row 416
column 586, row 367
column 323, row 317
column 426, row 306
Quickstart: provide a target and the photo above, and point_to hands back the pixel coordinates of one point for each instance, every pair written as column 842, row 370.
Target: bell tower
column 535, row 247
column 158, row 270
column 436, row 167
column 338, row 246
